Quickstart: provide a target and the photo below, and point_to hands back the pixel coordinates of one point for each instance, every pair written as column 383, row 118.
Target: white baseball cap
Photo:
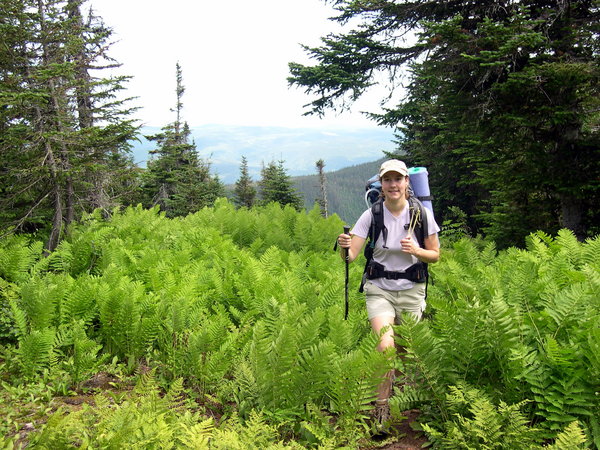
column 393, row 165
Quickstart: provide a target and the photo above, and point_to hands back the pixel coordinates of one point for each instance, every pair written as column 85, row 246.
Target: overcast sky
column 234, row 56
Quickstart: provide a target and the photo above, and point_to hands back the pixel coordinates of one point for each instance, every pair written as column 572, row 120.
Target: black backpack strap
column 376, row 229
column 378, row 226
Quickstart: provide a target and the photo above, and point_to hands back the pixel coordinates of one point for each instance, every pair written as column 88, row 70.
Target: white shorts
column 384, row 303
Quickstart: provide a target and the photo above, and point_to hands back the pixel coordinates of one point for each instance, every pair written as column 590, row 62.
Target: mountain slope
column 345, row 189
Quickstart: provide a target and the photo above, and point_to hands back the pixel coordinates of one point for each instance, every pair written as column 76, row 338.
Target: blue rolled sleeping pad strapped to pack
column 419, row 183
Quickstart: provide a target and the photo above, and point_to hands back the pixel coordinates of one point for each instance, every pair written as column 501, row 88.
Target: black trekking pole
column 346, row 260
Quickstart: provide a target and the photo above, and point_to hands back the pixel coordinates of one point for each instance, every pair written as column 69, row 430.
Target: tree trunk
column 566, row 156
column 82, row 89
column 57, row 220
column 571, row 216
column 61, row 166
column 322, row 184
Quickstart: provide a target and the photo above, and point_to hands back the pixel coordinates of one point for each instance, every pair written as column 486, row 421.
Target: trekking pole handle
column 347, row 231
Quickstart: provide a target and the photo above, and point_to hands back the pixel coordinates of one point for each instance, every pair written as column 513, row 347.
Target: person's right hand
column 344, row 240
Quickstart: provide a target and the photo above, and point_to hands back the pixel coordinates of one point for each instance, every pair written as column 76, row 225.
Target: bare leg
column 386, row 340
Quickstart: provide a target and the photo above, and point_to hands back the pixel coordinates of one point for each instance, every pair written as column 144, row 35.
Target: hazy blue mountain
column 299, row 148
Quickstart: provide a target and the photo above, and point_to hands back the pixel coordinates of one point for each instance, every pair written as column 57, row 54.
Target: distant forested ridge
column 345, row 189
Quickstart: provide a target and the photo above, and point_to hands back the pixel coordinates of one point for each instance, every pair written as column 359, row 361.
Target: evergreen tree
column 276, row 186
column 501, row 103
column 176, row 178
column 60, row 124
column 244, row 191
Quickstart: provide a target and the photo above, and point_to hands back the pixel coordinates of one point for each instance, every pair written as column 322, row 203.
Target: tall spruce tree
column 177, row 179
column 501, row 104
column 59, row 122
column 244, row 191
column 276, row 186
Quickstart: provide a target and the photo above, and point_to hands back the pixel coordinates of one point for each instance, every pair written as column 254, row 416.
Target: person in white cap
column 389, row 296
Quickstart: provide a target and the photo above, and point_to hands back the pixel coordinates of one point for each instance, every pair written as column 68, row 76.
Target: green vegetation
column 499, row 101
column 177, row 179
column 196, row 324
column 64, row 134
column 225, row 329
column 275, row 185
column 244, row 192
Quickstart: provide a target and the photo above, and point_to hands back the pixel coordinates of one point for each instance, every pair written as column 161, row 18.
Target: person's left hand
column 409, row 246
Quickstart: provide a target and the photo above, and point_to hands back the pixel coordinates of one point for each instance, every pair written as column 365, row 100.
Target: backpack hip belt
column 416, row 273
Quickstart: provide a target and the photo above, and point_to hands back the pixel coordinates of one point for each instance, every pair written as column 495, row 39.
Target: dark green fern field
column 225, row 329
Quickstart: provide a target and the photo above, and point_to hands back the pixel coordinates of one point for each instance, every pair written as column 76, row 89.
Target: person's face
column 393, row 185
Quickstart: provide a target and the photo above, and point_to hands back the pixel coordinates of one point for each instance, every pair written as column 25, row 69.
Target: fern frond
column 195, row 436
column 567, row 305
column 571, row 438
column 461, row 326
column 590, row 251
column 41, row 299
column 316, row 364
column 425, row 360
column 254, row 432
column 331, row 294
column 309, row 329
column 409, row 397
column 502, row 332
column 81, row 301
column 61, row 259
column 488, row 255
column 569, row 247
column 245, row 388
column 540, row 243
column 477, row 423
column 271, row 261
column 355, row 379
column 20, row 318
column 35, row 350
column 85, row 359
column 120, row 317
column 591, row 352
column 17, row 257
column 175, row 392
column 592, row 275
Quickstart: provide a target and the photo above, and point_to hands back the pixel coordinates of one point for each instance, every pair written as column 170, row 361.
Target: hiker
column 388, row 289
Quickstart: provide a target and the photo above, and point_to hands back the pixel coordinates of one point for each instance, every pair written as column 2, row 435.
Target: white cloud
column 233, row 54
